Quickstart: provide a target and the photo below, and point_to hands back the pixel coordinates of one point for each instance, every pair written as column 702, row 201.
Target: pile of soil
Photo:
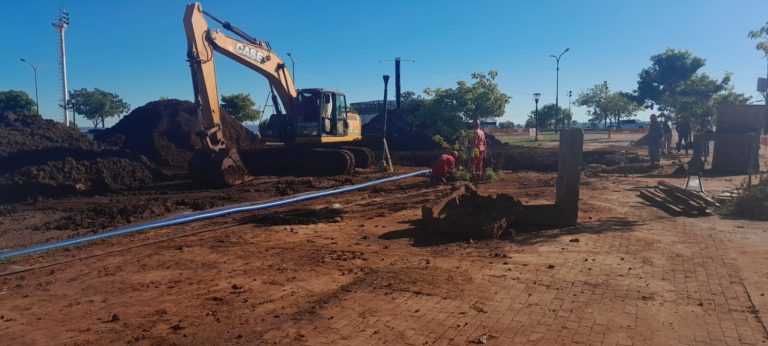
column 166, row 132
column 474, row 215
column 40, row 157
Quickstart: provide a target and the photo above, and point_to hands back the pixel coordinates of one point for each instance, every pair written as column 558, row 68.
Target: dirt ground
column 366, row 273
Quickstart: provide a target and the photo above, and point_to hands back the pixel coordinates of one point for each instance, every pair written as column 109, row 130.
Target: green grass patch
column 528, row 141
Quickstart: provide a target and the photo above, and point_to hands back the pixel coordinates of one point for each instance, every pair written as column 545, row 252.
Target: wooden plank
column 688, row 193
column 685, row 208
column 652, row 200
column 683, row 199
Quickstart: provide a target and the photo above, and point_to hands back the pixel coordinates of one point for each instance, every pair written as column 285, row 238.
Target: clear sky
column 137, row 48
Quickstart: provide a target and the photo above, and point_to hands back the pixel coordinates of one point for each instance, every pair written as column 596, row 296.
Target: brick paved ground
column 643, row 279
column 635, row 276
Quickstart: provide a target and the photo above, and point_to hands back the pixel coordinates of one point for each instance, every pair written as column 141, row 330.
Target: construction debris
column 466, row 212
column 677, row 201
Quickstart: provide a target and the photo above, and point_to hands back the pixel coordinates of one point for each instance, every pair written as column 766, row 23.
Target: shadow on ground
column 529, row 235
column 521, row 234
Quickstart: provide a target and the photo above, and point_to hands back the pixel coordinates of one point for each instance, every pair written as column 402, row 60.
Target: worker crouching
column 442, row 169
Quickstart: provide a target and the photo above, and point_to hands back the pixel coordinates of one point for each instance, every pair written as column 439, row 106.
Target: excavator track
column 312, row 162
column 364, row 157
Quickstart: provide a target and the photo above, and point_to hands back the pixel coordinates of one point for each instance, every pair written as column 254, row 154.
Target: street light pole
column 557, row 87
column 293, row 67
column 536, row 97
column 570, row 93
column 37, row 100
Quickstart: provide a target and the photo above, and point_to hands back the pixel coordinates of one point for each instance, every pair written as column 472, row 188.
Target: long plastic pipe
column 203, row 215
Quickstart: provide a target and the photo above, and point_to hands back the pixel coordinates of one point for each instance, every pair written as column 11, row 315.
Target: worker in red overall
column 480, row 145
column 443, row 167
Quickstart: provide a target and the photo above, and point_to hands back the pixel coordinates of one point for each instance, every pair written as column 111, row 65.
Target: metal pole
column 293, row 67
column 557, row 87
column 37, row 99
column 569, row 108
column 536, row 119
column 386, row 81
column 557, row 95
column 397, row 83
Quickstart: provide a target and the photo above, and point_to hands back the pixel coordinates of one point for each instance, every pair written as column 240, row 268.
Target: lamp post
column 570, row 93
column 557, row 87
column 293, row 67
column 37, row 100
column 536, row 97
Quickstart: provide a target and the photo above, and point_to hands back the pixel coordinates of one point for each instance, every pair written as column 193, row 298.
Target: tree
column 445, row 111
column 507, row 124
column 693, row 99
column 731, row 97
column 619, row 104
column 667, row 71
column 547, row 116
column 16, row 102
column 241, row 106
column 96, row 105
column 761, row 35
column 594, row 98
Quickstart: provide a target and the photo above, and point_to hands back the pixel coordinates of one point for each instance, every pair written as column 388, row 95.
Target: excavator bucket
column 218, row 168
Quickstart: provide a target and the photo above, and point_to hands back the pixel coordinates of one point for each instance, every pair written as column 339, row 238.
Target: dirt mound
column 41, row 157
column 166, row 132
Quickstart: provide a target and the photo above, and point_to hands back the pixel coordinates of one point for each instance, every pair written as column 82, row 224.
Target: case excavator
column 312, row 131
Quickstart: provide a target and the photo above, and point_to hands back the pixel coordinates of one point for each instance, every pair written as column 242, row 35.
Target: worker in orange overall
column 480, row 145
column 442, row 169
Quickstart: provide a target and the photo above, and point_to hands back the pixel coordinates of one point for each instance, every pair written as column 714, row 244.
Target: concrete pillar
column 569, row 174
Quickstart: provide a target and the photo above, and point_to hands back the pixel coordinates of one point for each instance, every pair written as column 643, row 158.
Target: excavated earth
column 41, row 157
column 166, row 132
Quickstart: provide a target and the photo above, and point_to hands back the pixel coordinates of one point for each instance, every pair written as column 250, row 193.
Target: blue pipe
column 203, row 215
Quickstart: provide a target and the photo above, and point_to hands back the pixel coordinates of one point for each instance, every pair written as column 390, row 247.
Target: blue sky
column 137, row 48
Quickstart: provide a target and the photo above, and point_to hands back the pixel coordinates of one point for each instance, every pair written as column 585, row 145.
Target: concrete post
column 569, row 174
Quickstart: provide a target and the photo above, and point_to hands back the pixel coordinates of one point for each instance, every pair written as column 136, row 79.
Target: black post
column 536, row 118
column 386, row 81
column 397, row 82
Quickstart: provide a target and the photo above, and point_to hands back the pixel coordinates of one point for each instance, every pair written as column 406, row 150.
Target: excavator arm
column 254, row 54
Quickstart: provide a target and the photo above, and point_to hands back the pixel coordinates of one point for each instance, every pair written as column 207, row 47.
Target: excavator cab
column 322, row 117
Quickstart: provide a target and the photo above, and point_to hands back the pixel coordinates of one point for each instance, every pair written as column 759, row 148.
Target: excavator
column 314, row 126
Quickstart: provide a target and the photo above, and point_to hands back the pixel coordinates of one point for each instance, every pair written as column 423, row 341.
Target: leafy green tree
column 658, row 83
column 761, row 35
column 693, row 99
column 509, row 124
column 547, row 116
column 97, row 105
column 731, row 97
column 594, row 100
column 17, row 102
column 445, row 111
column 619, row 105
column 241, row 106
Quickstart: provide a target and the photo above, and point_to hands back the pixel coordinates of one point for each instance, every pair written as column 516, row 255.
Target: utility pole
column 397, row 79
column 557, row 87
column 536, row 97
column 61, row 25
column 570, row 93
column 37, row 99
column 293, row 67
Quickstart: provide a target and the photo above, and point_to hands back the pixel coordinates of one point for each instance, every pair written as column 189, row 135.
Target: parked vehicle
column 630, row 124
